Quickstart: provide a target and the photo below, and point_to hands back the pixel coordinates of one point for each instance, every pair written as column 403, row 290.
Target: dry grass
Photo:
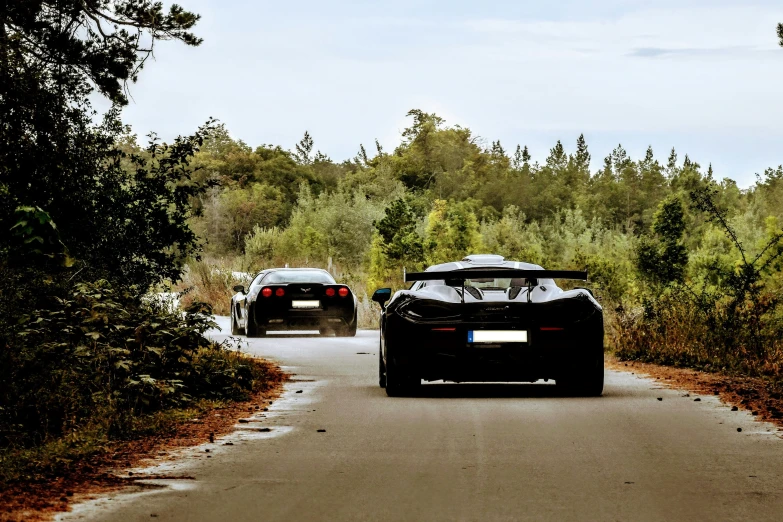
column 211, row 282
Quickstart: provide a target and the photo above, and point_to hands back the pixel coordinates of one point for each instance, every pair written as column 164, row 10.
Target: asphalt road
column 465, row 452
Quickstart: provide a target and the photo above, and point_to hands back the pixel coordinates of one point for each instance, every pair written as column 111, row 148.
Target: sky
column 701, row 76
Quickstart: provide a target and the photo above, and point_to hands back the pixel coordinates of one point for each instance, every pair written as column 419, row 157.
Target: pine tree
column 362, row 156
column 649, row 157
column 607, row 170
column 526, row 156
column 671, row 165
column 557, row 157
column 517, row 160
column 304, row 148
column 582, row 157
column 620, row 159
column 497, row 149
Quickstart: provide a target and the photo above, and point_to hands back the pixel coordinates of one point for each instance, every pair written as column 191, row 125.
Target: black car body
column 293, row 299
column 487, row 319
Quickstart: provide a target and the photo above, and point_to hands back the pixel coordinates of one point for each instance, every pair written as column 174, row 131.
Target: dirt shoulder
column 762, row 397
column 109, row 470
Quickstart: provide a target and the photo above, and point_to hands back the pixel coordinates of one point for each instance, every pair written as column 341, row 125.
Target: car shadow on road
column 488, row 390
column 275, row 335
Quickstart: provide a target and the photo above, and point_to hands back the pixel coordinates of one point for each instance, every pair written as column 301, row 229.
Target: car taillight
column 279, row 292
column 343, row 292
column 330, row 292
column 266, row 292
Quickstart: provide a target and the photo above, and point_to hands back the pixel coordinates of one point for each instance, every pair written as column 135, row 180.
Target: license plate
column 306, row 304
column 497, row 336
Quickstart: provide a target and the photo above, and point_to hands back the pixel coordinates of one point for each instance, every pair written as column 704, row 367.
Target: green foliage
column 734, row 321
column 232, row 214
column 336, row 225
column 262, row 245
column 92, row 355
column 452, row 232
column 89, row 222
column 399, row 240
column 36, row 235
column 663, row 259
column 104, row 42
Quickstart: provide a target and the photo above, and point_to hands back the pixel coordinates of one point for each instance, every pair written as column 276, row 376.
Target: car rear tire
column 399, row 382
column 586, row 380
column 381, row 371
column 234, row 326
column 252, row 329
column 348, row 331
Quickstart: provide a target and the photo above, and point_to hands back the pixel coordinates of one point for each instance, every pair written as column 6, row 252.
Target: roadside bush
column 95, row 356
column 679, row 329
column 730, row 317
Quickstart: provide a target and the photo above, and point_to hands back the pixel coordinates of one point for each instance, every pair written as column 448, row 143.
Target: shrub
column 96, row 356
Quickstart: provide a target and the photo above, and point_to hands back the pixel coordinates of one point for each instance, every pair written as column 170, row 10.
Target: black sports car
column 293, row 299
column 488, row 319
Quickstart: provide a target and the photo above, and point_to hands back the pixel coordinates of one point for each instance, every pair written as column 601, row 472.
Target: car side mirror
column 382, row 295
column 239, row 289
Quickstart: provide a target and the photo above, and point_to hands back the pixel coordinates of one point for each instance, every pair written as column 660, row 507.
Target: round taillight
column 343, row 292
column 266, row 292
column 279, row 292
column 330, row 292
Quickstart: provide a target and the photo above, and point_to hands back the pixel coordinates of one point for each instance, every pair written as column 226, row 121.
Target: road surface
column 465, row 452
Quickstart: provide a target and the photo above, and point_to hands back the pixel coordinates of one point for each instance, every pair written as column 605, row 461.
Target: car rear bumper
column 436, row 352
column 304, row 319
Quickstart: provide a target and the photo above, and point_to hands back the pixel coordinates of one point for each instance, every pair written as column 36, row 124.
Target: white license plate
column 497, row 336
column 306, row 304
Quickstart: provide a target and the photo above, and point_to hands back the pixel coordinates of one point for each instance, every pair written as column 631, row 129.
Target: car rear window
column 490, row 283
column 485, row 283
column 299, row 276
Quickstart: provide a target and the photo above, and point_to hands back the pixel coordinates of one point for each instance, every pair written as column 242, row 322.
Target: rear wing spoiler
column 495, row 272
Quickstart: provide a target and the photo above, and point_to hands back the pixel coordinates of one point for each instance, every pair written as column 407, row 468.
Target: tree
column 400, row 242
column 663, row 259
column 671, row 164
column 102, row 42
column 653, row 187
column 304, row 148
column 497, row 150
column 582, row 157
column 517, row 161
column 123, row 215
column 452, row 232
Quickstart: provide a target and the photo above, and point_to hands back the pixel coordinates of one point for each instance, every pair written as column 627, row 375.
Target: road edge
column 762, row 398
column 110, row 470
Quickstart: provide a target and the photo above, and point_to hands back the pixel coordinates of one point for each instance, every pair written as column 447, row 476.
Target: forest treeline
column 668, row 244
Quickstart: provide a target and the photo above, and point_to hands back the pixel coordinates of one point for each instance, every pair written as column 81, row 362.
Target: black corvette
column 293, row 299
column 491, row 320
